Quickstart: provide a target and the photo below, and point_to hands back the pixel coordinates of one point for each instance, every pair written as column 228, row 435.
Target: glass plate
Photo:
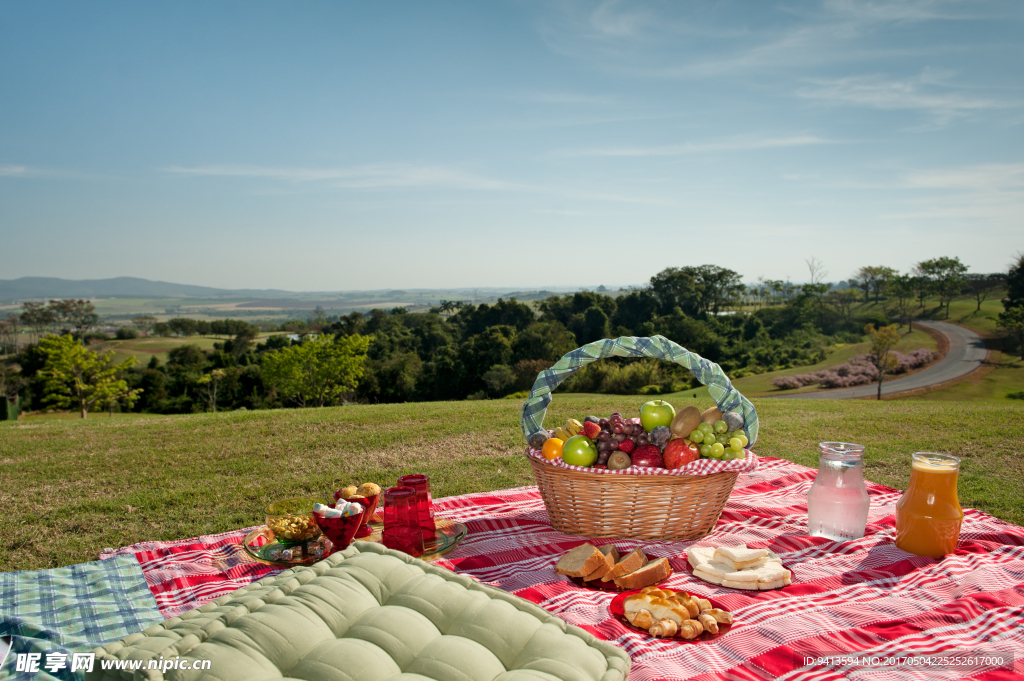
column 260, row 543
column 617, row 609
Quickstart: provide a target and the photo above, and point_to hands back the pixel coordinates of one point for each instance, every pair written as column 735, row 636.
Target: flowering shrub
column 860, row 370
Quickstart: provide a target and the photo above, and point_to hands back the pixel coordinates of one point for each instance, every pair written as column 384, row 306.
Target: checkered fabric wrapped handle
column 710, row 374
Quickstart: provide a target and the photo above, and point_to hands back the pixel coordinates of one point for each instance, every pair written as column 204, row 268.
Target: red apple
column 649, row 456
column 680, row 452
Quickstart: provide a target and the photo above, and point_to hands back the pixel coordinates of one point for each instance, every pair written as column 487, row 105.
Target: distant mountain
column 119, row 287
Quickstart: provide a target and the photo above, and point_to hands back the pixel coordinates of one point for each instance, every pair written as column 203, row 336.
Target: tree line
column 457, row 350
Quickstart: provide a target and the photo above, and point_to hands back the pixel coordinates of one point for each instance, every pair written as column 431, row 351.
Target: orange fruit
column 552, row 448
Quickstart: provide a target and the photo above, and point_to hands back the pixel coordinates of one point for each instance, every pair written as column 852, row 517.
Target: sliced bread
column 631, row 563
column 652, row 573
column 696, row 555
column 740, row 559
column 580, row 561
column 611, row 557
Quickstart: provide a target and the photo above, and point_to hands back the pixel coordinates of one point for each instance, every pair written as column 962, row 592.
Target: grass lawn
column 145, row 348
column 72, row 487
column 760, row 385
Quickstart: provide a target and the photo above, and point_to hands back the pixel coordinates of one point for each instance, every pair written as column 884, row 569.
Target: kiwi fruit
column 619, row 460
column 711, row 415
column 538, row 439
column 685, row 421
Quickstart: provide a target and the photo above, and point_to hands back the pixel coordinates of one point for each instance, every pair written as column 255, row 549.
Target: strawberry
column 626, row 446
column 591, row 430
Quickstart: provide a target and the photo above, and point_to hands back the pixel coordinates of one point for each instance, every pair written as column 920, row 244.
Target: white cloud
column 689, row 148
column 987, row 177
column 13, row 171
column 992, row 192
column 373, row 176
column 928, row 92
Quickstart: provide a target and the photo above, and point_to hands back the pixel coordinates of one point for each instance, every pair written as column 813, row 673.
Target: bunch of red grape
column 618, row 433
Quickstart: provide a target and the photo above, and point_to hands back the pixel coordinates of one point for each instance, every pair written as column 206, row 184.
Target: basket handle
column 710, row 374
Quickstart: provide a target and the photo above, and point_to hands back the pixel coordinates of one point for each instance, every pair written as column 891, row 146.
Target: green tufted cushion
column 370, row 614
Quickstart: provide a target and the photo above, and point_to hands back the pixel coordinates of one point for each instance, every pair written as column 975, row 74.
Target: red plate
column 618, row 610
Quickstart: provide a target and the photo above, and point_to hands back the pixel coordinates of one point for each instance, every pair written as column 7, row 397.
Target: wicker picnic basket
column 646, row 503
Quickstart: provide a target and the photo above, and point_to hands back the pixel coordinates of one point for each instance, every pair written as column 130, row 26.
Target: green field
column 145, row 348
column 73, row 487
column 761, row 384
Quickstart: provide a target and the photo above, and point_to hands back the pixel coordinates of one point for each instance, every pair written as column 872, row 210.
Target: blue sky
column 343, row 145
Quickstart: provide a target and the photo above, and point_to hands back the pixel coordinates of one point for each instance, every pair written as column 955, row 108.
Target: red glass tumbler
column 401, row 524
column 424, row 503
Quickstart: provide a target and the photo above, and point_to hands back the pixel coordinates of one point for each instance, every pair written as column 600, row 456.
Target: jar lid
column 841, row 451
column 934, row 461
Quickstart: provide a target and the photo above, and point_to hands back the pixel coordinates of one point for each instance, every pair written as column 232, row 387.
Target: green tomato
column 697, row 437
column 705, row 451
column 720, row 427
column 735, row 444
column 706, row 428
column 717, row 450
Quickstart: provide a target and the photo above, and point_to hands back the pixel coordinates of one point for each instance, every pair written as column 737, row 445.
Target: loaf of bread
column 611, row 557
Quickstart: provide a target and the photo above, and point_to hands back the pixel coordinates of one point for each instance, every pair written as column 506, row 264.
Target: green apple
column 579, row 450
column 656, row 413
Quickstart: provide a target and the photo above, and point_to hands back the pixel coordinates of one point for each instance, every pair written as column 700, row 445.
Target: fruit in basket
column 573, row 426
column 591, row 419
column 717, row 450
column 720, row 426
column 537, row 440
column 696, row 436
column 736, row 444
column 552, row 448
column 711, row 415
column 627, row 446
column 656, row 413
column 706, row 428
column 680, row 452
column 685, row 422
column 562, row 434
column 649, row 456
column 619, row 460
column 591, row 430
column 733, row 419
column 705, row 451
column 660, row 436
column 579, row 450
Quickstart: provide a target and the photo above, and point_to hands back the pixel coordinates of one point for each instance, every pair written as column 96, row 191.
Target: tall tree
column 144, row 323
column 1015, row 284
column 817, row 270
column 10, row 326
column 982, row 286
column 81, row 379
column 718, row 288
column 946, row 275
column 875, row 278
column 318, row 371
column 38, row 317
column 902, row 286
column 75, row 315
column 209, row 383
column 1011, row 320
column 676, row 287
column 882, row 341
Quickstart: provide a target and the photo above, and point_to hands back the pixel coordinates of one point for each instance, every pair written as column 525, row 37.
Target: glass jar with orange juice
column 928, row 515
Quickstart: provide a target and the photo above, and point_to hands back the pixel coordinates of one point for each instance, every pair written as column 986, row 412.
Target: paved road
column 966, row 353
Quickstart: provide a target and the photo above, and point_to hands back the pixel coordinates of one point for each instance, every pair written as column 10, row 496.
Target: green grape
column 717, row 450
column 721, row 439
column 697, row 437
column 735, row 444
column 720, row 427
column 737, row 455
column 743, row 439
column 705, row 451
column 706, row 428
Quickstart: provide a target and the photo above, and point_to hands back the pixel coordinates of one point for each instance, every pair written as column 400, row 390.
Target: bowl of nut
column 291, row 520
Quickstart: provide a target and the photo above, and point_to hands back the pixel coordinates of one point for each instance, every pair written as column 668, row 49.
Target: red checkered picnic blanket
column 863, row 597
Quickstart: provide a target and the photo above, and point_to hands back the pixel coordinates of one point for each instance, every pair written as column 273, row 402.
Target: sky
column 327, row 146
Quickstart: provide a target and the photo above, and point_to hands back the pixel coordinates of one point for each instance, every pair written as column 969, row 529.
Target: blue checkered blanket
column 74, row 609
